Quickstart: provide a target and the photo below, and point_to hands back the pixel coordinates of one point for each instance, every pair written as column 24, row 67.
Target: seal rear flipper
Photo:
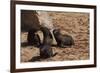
column 54, row 54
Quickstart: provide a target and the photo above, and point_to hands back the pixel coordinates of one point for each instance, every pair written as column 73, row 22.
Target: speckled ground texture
column 74, row 24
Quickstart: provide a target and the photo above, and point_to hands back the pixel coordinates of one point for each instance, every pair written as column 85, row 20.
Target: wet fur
column 63, row 40
column 45, row 49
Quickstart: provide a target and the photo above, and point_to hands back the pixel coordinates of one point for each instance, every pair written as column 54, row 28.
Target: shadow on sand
column 36, row 58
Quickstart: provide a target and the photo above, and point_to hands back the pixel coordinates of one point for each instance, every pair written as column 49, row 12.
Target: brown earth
column 76, row 25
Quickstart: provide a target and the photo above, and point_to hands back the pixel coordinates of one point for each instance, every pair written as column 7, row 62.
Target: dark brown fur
column 63, row 40
column 30, row 23
column 29, row 20
column 33, row 39
column 45, row 49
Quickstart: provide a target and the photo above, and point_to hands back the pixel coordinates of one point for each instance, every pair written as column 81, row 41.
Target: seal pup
column 46, row 49
column 63, row 40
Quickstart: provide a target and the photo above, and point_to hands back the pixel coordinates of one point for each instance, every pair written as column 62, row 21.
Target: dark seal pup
column 45, row 49
column 63, row 40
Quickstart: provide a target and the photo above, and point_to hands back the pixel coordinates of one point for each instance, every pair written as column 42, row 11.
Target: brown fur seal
column 45, row 49
column 63, row 40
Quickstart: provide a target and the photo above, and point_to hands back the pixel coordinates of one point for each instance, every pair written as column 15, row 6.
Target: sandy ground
column 76, row 25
